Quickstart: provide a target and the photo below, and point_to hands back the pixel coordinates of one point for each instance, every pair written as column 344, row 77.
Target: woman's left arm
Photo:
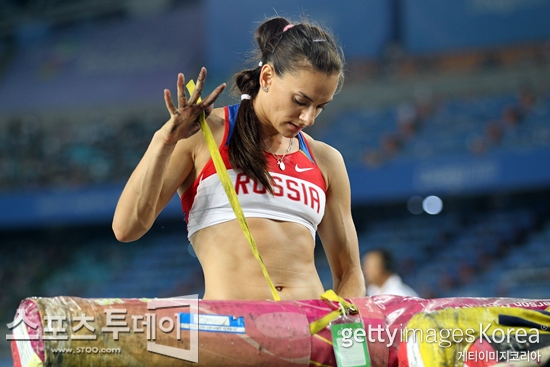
column 337, row 230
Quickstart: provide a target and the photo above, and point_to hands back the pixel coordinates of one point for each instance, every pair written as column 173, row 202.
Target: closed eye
column 299, row 103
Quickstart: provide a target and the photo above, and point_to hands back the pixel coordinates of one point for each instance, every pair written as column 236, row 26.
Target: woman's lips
column 295, row 128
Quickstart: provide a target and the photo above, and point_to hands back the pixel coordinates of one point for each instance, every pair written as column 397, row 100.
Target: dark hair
column 302, row 46
column 387, row 259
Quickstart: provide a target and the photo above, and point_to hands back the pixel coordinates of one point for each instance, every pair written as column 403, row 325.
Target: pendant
column 281, row 165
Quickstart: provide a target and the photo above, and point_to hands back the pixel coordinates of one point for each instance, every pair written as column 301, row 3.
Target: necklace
column 279, row 159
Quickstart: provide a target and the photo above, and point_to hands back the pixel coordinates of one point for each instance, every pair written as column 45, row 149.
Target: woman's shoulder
column 329, row 160
column 217, row 117
column 322, row 151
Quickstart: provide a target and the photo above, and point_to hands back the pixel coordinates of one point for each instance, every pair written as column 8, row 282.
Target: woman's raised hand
column 184, row 119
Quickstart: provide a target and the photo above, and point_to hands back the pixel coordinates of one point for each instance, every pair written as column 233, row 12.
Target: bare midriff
column 232, row 272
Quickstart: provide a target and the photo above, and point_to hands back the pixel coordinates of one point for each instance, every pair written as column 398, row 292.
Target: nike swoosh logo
column 298, row 169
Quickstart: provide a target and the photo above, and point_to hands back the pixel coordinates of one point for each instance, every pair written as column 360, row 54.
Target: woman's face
column 293, row 101
column 373, row 268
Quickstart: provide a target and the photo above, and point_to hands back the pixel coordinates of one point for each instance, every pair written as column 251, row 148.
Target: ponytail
column 245, row 148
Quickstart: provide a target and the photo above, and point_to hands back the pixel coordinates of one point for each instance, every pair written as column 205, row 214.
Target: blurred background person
column 381, row 277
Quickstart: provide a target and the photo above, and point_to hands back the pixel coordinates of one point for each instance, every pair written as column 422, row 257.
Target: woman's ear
column 266, row 76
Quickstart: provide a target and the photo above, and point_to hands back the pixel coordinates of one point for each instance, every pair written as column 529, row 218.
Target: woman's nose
column 308, row 116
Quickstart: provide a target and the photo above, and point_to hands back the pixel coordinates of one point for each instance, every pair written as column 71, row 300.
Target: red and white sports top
column 299, row 192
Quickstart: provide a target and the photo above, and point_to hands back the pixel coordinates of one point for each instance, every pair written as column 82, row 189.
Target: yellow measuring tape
column 230, row 191
column 345, row 307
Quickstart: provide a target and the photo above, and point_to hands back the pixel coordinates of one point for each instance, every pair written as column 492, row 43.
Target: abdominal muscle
column 233, row 273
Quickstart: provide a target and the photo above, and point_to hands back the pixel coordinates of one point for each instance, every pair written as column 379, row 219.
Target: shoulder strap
column 232, row 111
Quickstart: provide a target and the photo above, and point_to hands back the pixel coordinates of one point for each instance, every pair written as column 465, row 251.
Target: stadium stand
column 470, row 125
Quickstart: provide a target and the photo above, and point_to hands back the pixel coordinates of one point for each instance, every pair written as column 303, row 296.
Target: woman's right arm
column 157, row 177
